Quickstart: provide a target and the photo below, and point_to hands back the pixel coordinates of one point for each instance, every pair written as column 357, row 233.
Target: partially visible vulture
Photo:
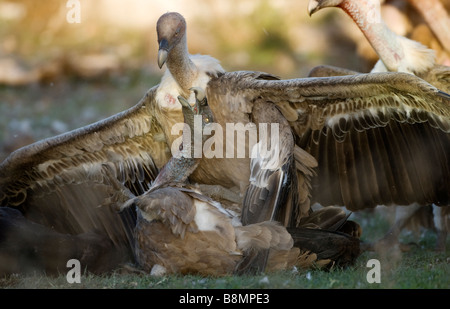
column 397, row 54
column 354, row 125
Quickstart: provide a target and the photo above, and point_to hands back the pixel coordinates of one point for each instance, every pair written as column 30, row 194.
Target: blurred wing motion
column 64, row 182
column 379, row 138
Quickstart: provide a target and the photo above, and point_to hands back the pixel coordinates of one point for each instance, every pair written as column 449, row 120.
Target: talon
column 200, row 95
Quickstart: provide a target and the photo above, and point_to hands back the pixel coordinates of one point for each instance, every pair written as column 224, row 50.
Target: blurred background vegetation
column 56, row 76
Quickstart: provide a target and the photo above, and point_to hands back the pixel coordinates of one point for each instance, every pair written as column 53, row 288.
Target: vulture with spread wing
column 180, row 230
column 355, row 126
column 397, row 54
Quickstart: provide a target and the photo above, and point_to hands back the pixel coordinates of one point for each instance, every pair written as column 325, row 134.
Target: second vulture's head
column 171, row 30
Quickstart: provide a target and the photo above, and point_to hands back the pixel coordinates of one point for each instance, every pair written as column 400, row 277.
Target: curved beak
column 163, row 52
column 313, row 6
column 184, row 102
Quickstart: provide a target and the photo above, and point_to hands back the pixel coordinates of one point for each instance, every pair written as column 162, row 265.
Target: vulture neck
column 367, row 15
column 181, row 66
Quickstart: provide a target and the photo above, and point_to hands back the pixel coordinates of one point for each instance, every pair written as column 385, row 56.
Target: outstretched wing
column 378, row 138
column 64, row 182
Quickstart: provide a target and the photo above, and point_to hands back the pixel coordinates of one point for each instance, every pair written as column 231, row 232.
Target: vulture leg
column 402, row 215
column 441, row 222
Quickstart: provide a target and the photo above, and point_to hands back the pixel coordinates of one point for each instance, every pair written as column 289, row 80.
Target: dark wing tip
column 443, row 94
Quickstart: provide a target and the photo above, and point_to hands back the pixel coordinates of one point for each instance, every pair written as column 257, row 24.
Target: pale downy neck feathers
column 171, row 82
column 417, row 60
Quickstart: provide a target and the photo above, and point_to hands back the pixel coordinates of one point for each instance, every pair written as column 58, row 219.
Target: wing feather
column 368, row 183
column 270, row 195
column 64, row 182
column 365, row 131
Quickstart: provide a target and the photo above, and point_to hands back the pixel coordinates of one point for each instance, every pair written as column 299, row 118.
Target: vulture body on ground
column 397, row 54
column 179, row 230
column 355, row 125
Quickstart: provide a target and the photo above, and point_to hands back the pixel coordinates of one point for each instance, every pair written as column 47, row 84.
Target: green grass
column 420, row 268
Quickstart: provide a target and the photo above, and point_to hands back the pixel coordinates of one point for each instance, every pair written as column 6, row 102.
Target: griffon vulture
column 355, row 126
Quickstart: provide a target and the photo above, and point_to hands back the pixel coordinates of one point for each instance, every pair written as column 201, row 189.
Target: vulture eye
column 206, row 119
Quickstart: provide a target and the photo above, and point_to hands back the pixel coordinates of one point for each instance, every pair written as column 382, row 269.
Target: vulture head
column 171, row 31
